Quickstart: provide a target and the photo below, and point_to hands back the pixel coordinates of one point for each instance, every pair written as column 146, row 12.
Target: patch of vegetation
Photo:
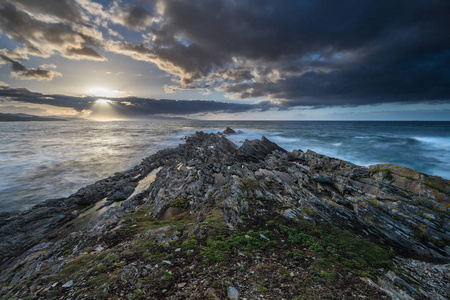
column 328, row 276
column 262, row 289
column 340, row 246
column 166, row 276
column 408, row 177
column 319, row 250
column 76, row 265
column 248, row 185
column 142, row 220
column 387, row 173
column 284, row 272
column 180, row 203
column 189, row 244
column 137, row 294
column 248, row 241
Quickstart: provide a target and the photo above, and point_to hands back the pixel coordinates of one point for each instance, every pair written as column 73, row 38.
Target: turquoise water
column 41, row 160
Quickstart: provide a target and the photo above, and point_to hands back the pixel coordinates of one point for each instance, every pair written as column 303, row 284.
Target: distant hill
column 25, row 117
column 164, row 118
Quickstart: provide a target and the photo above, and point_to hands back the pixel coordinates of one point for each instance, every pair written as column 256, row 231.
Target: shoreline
column 46, row 153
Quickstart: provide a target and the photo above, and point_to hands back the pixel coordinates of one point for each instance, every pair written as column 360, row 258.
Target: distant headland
column 26, row 118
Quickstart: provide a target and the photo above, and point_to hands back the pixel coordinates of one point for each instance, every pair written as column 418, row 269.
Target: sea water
column 42, row 160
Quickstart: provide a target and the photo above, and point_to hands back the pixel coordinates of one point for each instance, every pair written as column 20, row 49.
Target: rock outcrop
column 229, row 130
column 222, row 202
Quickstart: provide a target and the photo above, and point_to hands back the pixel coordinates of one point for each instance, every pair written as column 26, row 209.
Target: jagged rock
column 257, row 150
column 229, row 130
column 121, row 194
column 257, row 182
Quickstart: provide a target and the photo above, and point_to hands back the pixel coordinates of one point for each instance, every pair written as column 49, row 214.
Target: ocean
column 42, row 160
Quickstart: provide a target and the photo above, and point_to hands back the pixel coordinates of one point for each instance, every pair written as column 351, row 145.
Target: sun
column 102, row 101
column 102, row 92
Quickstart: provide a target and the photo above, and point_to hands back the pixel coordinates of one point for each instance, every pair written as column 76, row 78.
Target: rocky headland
column 210, row 220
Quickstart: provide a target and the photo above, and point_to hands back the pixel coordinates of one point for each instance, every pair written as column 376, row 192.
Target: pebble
column 264, row 237
column 68, row 284
column 233, row 293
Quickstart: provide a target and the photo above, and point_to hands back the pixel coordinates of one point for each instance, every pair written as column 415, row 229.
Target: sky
column 226, row 59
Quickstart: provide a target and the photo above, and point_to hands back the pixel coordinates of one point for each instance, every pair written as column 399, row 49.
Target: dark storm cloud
column 305, row 52
column 294, row 53
column 22, row 72
column 130, row 16
column 132, row 106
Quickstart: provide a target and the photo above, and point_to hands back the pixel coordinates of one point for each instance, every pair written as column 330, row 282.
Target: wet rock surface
column 209, row 181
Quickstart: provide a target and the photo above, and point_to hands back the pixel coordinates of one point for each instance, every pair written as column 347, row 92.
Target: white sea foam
column 437, row 142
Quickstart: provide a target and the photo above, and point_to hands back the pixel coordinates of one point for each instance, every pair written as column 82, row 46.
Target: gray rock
column 257, row 150
column 233, row 293
column 229, row 130
column 68, row 284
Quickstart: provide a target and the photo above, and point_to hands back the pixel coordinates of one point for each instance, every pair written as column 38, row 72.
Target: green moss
column 262, row 289
column 248, row 185
column 75, row 266
column 328, row 276
column 270, row 223
column 220, row 245
column 166, row 276
column 101, row 269
column 339, row 245
column 180, row 202
column 284, row 272
column 189, row 244
column 212, row 254
column 240, row 269
column 137, row 294
column 111, row 258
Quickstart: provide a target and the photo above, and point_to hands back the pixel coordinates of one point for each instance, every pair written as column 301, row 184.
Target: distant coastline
column 15, row 118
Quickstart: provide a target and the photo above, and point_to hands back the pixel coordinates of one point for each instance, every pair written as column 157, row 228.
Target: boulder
column 229, row 131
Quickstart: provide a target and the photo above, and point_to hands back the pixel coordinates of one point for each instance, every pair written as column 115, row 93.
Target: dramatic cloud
column 293, row 53
column 20, row 71
column 130, row 107
column 309, row 52
column 44, row 36
column 130, row 16
column 64, row 10
column 36, row 74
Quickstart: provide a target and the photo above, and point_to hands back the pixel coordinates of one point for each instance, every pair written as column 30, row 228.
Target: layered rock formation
column 255, row 197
